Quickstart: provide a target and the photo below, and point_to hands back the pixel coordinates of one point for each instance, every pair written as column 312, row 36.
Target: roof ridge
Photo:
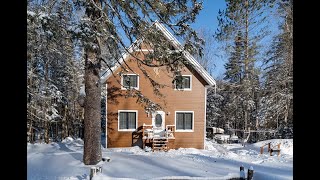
column 205, row 75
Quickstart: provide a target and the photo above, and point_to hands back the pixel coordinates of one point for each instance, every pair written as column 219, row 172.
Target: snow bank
column 131, row 150
column 67, row 140
column 216, row 161
column 210, row 145
column 286, row 145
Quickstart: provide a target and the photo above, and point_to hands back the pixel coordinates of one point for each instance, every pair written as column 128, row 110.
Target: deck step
column 160, row 143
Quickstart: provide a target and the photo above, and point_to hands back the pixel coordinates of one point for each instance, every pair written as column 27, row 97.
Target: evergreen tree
column 53, row 74
column 241, row 28
column 277, row 104
column 215, row 107
column 101, row 26
column 101, row 30
column 234, row 67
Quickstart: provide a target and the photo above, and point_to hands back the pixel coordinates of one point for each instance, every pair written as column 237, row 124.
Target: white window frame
column 184, row 89
column 175, row 121
column 122, row 84
column 136, row 111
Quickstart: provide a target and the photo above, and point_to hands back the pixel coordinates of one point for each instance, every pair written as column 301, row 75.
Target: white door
column 158, row 119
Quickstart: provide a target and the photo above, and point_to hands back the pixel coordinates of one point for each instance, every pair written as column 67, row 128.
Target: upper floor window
column 183, row 82
column 130, row 81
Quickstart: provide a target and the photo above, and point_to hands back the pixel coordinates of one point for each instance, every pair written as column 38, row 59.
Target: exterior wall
column 174, row 100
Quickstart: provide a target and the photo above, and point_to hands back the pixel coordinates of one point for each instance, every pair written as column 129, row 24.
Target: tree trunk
column 245, row 119
column 286, row 113
column 246, row 62
column 64, row 124
column 46, row 133
column 30, row 130
column 92, row 108
column 46, row 125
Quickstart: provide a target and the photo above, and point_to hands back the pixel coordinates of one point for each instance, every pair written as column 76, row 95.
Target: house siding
column 173, row 100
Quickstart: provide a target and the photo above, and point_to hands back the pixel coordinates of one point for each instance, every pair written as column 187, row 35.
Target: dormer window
column 130, row 81
column 183, row 82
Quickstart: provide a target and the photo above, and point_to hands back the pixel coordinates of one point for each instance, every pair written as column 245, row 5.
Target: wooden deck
column 160, row 139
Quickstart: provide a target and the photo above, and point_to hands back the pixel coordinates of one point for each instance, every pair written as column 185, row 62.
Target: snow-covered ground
column 217, row 161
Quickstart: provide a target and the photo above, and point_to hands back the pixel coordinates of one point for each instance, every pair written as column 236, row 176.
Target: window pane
column 178, row 85
column 186, row 82
column 178, row 81
column 126, row 80
column 158, row 120
column 133, row 81
column 123, row 120
column 131, row 120
column 188, row 120
column 179, row 121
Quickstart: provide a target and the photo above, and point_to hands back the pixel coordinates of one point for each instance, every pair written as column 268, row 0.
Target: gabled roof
column 135, row 46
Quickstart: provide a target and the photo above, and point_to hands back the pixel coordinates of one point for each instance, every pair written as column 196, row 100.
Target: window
column 183, row 82
column 130, row 81
column 127, row 120
column 184, row 121
column 158, row 120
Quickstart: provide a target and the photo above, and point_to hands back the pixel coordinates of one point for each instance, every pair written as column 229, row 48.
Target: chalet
column 182, row 121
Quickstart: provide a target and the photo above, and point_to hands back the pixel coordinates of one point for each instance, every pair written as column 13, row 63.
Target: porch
column 157, row 137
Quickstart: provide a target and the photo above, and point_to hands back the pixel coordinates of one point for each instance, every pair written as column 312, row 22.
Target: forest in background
column 248, row 94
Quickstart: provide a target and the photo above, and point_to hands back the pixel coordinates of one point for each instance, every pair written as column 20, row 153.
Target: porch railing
column 148, row 132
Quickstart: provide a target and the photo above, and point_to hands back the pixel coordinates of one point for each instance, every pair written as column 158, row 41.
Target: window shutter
column 188, row 120
column 131, row 120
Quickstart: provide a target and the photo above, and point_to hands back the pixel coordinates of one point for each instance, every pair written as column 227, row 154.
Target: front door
column 158, row 119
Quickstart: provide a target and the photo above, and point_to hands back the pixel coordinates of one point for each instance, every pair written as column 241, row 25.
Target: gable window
column 127, row 120
column 130, row 81
column 183, row 82
column 184, row 121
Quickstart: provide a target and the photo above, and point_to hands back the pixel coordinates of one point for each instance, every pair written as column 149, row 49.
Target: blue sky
column 207, row 19
column 208, row 15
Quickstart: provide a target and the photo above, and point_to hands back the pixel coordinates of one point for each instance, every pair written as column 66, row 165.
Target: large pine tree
column 242, row 25
column 110, row 24
column 277, row 104
column 53, row 72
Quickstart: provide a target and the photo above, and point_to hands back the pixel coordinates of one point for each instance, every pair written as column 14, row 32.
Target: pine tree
column 241, row 27
column 277, row 104
column 234, row 67
column 215, row 107
column 52, row 70
column 100, row 28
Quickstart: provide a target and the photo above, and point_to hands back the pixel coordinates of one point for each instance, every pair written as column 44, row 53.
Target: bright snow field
column 57, row 161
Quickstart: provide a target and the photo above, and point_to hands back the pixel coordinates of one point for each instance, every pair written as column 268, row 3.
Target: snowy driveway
column 64, row 161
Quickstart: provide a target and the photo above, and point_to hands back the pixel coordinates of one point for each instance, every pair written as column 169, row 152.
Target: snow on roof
column 134, row 46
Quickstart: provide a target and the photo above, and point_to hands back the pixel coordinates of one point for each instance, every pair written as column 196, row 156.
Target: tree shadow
column 137, row 137
column 76, row 155
column 83, row 177
column 112, row 94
